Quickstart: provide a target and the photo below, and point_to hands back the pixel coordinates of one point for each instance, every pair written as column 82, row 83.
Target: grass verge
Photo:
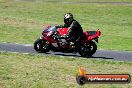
column 44, row 71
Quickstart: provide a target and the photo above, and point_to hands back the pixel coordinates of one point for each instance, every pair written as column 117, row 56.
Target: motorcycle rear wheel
column 88, row 49
column 41, row 46
column 93, row 47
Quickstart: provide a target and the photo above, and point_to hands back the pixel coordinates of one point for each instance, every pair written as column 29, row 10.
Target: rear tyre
column 41, row 46
column 87, row 49
column 84, row 51
column 93, row 47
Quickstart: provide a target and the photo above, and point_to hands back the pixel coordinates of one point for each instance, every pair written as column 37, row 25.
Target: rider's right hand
column 59, row 26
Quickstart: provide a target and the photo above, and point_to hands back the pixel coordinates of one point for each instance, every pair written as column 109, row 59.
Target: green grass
column 22, row 22
column 79, row 0
column 97, row 0
column 44, row 71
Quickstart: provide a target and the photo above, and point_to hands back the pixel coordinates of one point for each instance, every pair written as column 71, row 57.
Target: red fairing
column 63, row 31
column 98, row 33
column 87, row 35
column 90, row 35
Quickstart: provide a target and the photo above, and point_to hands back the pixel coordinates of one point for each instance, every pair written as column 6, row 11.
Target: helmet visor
column 66, row 20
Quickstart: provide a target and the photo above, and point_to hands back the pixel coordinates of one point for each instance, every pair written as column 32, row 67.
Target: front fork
column 42, row 38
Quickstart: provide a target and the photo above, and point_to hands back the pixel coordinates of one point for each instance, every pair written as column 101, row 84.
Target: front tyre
column 41, row 46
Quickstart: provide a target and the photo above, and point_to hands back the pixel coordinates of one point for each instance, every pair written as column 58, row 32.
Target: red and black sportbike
column 85, row 45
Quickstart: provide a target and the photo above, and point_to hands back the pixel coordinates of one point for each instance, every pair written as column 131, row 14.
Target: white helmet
column 68, row 18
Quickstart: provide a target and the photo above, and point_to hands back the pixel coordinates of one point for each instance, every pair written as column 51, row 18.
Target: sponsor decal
column 83, row 78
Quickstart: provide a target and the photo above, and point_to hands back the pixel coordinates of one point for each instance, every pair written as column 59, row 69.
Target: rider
column 75, row 29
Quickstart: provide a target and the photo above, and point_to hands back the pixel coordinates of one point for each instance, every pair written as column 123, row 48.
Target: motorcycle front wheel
column 41, row 46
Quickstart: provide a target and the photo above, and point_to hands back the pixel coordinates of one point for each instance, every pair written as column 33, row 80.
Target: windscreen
column 52, row 28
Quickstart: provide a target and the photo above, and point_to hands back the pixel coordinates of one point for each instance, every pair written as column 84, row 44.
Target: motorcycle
column 85, row 45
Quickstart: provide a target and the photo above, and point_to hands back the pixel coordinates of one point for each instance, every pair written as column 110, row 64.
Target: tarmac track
column 100, row 54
